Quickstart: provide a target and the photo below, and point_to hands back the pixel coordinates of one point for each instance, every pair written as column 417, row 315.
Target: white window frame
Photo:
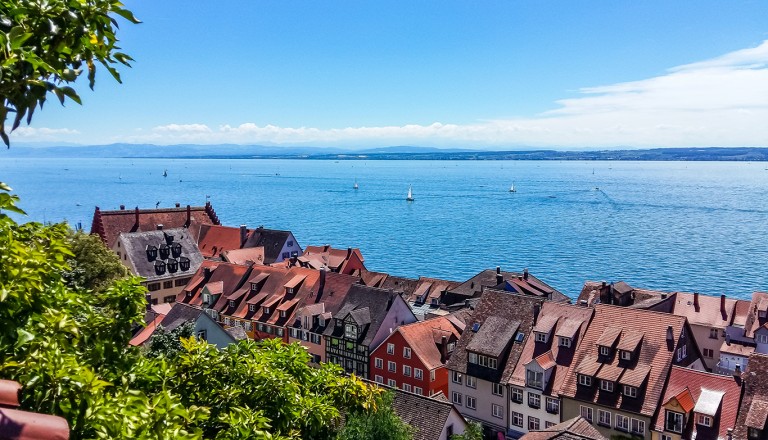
column 497, row 411
column 604, row 417
column 534, row 423
column 456, row 398
column 471, row 381
column 606, row 385
column 585, row 380
column 630, row 391
column 407, row 370
column 516, row 394
column 638, row 426
column 497, row 389
column 553, row 405
column 622, row 423
column 456, row 377
column 378, row 362
column 418, row 390
column 418, row 373
column 605, row 351
column 534, row 400
column 407, row 352
column 390, row 348
column 704, row 420
column 565, row 342
column 517, row 419
column 407, row 387
column 587, row 412
column 392, row 383
column 540, row 337
column 471, row 402
column 391, row 366
column 378, row 379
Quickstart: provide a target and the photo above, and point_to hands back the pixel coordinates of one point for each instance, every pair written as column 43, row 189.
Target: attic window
column 184, row 263
column 704, row 420
column 585, row 380
column 435, row 301
column 519, row 337
column 165, row 251
column 176, row 250
column 173, row 266
column 605, row 351
column 606, row 385
column 476, row 327
column 541, row 337
column 564, row 342
column 231, row 303
column 282, row 313
column 266, row 310
column 189, row 294
column 625, row 355
column 159, row 267
column 255, row 287
column 630, row 391
column 350, row 331
column 151, row 253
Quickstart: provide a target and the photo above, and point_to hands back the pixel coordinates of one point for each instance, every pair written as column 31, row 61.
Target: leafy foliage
column 382, row 424
column 474, row 431
column 93, row 266
column 46, row 45
column 168, row 343
column 69, row 348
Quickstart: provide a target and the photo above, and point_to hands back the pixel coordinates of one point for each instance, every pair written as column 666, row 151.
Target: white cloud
column 42, row 133
column 718, row 102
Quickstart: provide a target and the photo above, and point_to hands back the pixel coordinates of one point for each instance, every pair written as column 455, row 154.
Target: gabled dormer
column 293, row 286
column 211, row 293
column 539, row 370
column 629, row 346
column 542, row 331
column 257, row 282
column 606, row 344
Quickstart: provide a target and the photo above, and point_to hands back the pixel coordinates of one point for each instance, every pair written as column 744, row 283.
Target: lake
column 693, row 226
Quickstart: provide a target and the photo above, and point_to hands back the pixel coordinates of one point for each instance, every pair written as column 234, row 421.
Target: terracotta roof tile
column 609, row 336
column 423, row 338
column 428, row 416
column 630, row 340
column 576, row 428
column 610, row 372
column 546, row 360
column 685, row 399
column 712, row 311
column 254, row 255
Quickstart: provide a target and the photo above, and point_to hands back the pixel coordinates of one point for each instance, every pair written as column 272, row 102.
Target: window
column 553, row 405
column 472, row 358
column 548, row 424
column 280, row 331
column 266, row 310
column 407, row 370
column 378, row 379
column 290, row 243
column 673, row 422
column 516, row 395
column 541, row 337
column 315, row 338
column 418, row 373
column 762, row 339
column 418, row 390
column 482, row 360
column 704, row 420
column 390, row 348
column 638, row 426
column 350, row 331
column 379, row 362
column 456, row 398
column 709, row 353
column 202, row 335
column 630, row 391
column 407, row 352
column 227, row 320
column 169, row 299
column 153, row 287
column 181, row 282
column 713, row 333
column 666, row 437
column 533, row 423
column 392, row 383
column 517, row 419
column 407, row 387
column 534, row 400
column 754, row 433
column 534, row 379
column 626, row 355
column 606, row 385
column 622, row 423
column 498, row 411
column 167, row 284
column 293, row 332
column 585, row 380
column 251, row 307
column 471, row 402
column 605, row 351
column 432, row 375
column 587, row 413
column 498, row 389
column 456, row 377
column 391, row 366
column 603, row 418
column 286, row 254
column 564, row 342
column 249, row 326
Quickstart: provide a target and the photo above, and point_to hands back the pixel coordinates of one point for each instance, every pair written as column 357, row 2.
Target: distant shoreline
column 129, row 151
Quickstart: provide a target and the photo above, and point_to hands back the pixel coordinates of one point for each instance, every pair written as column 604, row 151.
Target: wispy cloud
column 42, row 133
column 722, row 101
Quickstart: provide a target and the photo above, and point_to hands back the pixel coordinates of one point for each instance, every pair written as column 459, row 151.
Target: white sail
column 355, row 186
column 410, row 193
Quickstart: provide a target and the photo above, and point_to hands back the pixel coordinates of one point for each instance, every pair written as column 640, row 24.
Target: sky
column 495, row 75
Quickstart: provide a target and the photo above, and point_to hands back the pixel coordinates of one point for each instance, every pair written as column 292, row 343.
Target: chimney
column 159, row 226
column 322, row 284
column 737, row 371
column 178, row 205
column 525, row 274
column 137, row 216
column 729, row 434
column 536, row 310
column 696, row 301
column 189, row 217
column 722, row 303
column 122, row 207
column 326, row 247
column 243, row 234
column 499, row 277
column 349, row 252
column 444, row 349
column 148, row 297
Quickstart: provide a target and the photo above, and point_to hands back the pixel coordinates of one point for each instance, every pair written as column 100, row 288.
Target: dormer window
column 541, row 337
column 173, row 266
column 534, row 379
column 564, row 342
column 282, row 313
column 232, row 303
column 176, row 250
column 184, row 263
column 252, row 307
column 151, row 253
column 159, row 267
column 630, row 391
column 254, row 287
column 625, row 355
column 605, row 351
column 585, row 380
column 704, row 420
column 165, row 252
column 289, row 290
column 350, row 331
column 266, row 310
column 189, row 294
column 451, row 346
column 435, row 301
column 483, row 360
column 606, row 385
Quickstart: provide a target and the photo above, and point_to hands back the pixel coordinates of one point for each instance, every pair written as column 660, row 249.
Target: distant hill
column 228, row 151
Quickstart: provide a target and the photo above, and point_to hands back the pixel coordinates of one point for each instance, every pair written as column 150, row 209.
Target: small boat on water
column 410, row 194
column 512, row 188
column 165, row 173
column 355, row 186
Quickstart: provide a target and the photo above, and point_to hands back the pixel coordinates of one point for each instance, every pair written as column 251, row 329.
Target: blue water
column 666, row 225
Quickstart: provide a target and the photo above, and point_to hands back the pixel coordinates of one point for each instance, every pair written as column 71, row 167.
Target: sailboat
column 355, row 185
column 512, row 188
column 410, row 194
column 165, row 173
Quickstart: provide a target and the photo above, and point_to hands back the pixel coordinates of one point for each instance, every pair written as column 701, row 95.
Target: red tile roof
column 574, row 429
column 254, row 255
column 754, row 403
column 23, row 425
column 754, row 321
column 422, row 337
column 686, row 386
column 214, row 239
column 654, row 356
column 712, row 311
column 109, row 224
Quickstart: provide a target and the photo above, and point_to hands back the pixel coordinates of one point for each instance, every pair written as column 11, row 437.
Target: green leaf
column 23, row 337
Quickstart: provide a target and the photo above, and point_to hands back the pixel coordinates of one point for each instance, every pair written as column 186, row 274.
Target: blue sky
column 494, row 74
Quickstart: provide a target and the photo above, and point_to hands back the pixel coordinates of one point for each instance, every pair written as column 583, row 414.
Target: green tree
column 46, row 45
column 93, row 266
column 474, row 431
column 168, row 343
column 382, row 424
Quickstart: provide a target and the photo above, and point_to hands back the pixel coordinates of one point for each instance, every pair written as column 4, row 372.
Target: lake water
column 694, row 226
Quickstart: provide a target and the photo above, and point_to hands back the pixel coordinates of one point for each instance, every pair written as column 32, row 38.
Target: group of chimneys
column 500, row 277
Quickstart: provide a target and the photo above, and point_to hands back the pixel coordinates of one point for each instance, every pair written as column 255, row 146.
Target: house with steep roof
column 366, row 317
column 315, row 312
column 521, row 283
column 574, row 429
column 624, row 295
column 205, row 327
column 746, row 334
column 109, row 224
column 431, row 419
column 165, row 258
column 278, row 245
column 223, row 242
column 617, row 377
column 697, row 405
column 486, row 356
column 708, row 316
column 345, row 261
column 212, row 281
column 413, row 357
column 534, row 387
column 752, row 419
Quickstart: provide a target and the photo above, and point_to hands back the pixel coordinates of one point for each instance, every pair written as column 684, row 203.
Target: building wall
column 702, row 336
column 316, row 350
column 214, row 333
column 289, row 249
column 400, row 379
column 571, row 408
column 760, row 348
column 456, row 422
column 527, row 411
column 674, row 406
column 484, row 402
column 729, row 361
column 159, row 296
column 399, row 314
